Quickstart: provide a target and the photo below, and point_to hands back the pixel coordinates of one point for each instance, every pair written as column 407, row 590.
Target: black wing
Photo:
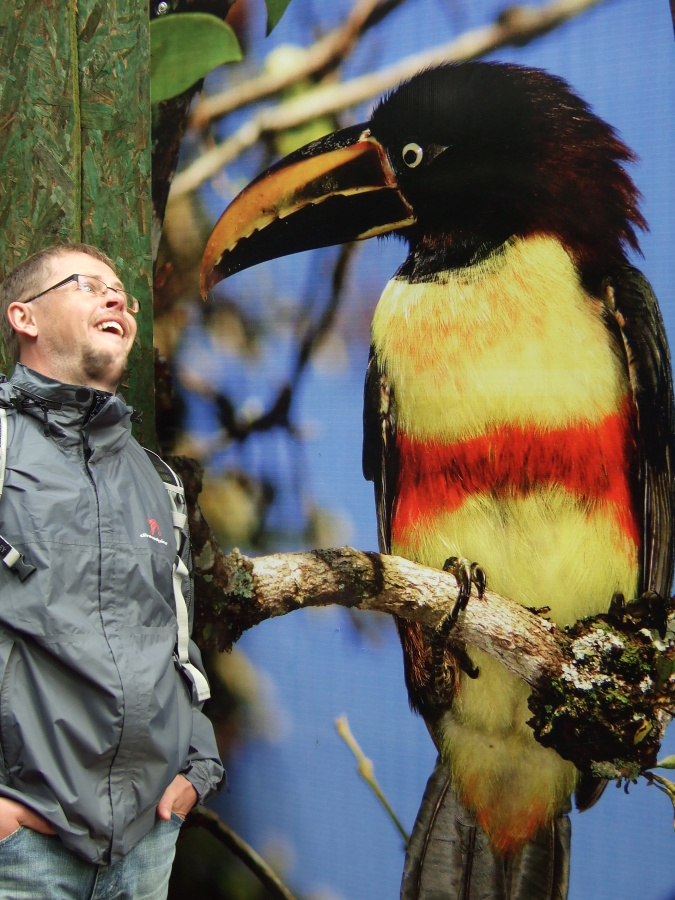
column 635, row 315
column 634, row 307
column 380, row 458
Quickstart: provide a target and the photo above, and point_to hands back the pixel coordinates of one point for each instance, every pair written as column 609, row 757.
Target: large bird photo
column 496, row 401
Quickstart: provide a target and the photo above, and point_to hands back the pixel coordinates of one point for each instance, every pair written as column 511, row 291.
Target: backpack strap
column 9, row 555
column 3, row 447
column 181, row 577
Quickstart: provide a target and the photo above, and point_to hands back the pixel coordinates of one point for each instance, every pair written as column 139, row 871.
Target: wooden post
column 75, row 159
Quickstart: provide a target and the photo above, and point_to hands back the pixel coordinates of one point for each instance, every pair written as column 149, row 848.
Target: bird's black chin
column 433, row 253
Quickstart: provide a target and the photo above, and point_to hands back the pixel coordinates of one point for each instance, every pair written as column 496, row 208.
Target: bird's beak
column 337, row 189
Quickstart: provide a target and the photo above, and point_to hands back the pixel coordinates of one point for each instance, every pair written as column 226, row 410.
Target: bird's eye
column 412, row 155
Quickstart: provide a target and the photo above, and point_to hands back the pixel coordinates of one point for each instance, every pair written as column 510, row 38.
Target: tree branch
column 326, row 53
column 603, row 691
column 515, row 26
column 206, row 818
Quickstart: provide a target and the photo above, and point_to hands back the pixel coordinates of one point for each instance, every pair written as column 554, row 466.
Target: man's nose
column 113, row 300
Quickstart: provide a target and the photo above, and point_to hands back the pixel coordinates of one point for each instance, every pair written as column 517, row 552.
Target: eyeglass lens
column 91, row 284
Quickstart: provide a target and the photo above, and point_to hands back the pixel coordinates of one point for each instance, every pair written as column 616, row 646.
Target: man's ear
column 22, row 320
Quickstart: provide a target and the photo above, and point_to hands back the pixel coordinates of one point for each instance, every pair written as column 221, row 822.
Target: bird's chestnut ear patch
column 412, row 155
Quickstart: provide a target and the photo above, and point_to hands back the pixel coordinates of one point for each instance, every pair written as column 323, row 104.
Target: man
column 103, row 749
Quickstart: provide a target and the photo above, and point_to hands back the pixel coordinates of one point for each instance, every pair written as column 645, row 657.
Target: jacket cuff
column 206, row 776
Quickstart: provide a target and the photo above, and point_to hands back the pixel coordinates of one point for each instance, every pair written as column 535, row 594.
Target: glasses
column 89, row 284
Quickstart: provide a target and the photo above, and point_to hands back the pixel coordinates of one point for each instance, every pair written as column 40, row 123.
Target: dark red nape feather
column 510, row 151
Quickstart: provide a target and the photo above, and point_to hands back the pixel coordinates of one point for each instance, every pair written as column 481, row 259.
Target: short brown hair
column 28, row 279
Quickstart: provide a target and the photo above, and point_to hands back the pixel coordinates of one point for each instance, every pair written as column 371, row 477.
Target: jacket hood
column 69, row 411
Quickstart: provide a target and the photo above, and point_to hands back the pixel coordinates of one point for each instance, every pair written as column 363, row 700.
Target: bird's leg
column 466, row 574
column 617, row 607
column 649, row 610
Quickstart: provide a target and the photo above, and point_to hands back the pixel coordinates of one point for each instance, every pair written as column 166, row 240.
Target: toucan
column 518, row 415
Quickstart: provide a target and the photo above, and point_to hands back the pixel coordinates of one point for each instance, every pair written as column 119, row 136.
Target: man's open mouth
column 111, row 326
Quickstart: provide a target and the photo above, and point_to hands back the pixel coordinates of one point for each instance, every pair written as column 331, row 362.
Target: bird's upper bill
column 337, row 189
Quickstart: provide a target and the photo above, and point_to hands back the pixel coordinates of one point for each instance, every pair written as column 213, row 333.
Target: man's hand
column 179, row 797
column 13, row 814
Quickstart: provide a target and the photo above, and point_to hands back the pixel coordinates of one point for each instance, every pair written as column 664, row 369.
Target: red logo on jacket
column 154, row 528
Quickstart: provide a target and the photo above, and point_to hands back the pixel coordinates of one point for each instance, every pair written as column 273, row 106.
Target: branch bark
column 515, row 26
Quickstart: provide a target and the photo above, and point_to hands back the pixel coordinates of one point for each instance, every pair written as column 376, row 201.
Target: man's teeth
column 115, row 326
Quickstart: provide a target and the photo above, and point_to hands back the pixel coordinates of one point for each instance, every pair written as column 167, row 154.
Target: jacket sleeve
column 204, row 770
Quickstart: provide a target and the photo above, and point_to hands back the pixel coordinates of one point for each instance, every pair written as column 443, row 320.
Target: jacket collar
column 70, row 411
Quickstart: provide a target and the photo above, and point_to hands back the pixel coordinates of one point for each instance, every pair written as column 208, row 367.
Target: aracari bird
column 518, row 412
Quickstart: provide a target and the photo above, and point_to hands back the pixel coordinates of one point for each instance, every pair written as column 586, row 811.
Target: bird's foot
column 466, row 574
column 543, row 611
column 649, row 610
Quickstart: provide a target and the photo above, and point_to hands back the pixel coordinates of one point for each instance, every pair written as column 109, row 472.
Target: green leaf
column 275, row 10
column 184, row 47
column 667, row 763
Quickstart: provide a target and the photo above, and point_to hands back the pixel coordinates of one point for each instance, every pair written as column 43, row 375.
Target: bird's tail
column 449, row 856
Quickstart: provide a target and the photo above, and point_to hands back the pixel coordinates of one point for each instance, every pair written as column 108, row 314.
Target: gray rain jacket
column 95, row 718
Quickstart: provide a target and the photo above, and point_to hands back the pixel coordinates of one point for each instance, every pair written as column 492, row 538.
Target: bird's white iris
column 412, row 155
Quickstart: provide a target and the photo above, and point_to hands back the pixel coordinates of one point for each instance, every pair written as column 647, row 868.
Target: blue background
column 294, row 788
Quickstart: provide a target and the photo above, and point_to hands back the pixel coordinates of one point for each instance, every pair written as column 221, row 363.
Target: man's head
column 68, row 333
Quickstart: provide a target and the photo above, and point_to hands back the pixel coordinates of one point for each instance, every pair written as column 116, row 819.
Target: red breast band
column 593, row 461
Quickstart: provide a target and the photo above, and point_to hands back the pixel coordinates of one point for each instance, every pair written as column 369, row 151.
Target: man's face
column 79, row 338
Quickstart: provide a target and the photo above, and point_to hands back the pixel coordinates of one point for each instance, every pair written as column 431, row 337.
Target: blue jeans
column 36, row 866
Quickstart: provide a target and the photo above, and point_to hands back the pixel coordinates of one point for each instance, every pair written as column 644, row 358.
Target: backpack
column 9, row 555
column 181, row 576
column 16, row 563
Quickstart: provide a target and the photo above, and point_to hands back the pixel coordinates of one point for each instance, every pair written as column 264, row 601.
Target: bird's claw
column 466, row 574
column 649, row 610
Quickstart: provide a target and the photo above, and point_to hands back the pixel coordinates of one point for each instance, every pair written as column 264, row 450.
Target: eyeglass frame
column 132, row 310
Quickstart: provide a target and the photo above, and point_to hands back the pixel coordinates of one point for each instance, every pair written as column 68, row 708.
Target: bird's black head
column 459, row 134
column 483, row 151
column 458, row 158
